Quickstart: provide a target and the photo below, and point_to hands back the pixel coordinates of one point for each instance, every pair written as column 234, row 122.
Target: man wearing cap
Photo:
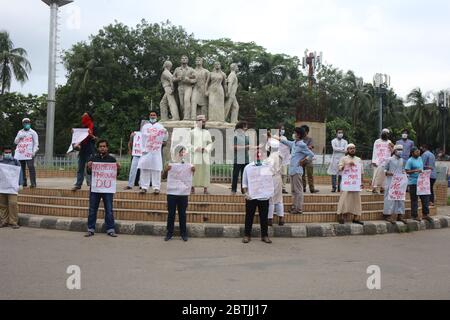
column 394, row 209
column 27, row 142
column 407, row 145
column 201, row 146
column 381, row 153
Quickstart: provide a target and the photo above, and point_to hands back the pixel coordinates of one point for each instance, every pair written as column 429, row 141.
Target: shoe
column 382, row 191
column 270, row 223
column 333, row 191
column 76, row 188
column 293, row 211
column 304, row 190
column 431, row 204
column 128, row 188
column 374, row 191
column 14, row 226
column 402, row 220
column 246, row 240
column 315, row 191
column 89, row 234
column 358, row 222
column 427, row 218
column 281, row 221
column 156, row 191
column 184, row 238
column 417, row 219
column 112, row 234
column 168, row 238
column 3, row 225
column 266, row 240
column 285, row 192
column 33, row 187
column 143, row 191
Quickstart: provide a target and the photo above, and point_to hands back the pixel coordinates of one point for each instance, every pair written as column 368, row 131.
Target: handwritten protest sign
column 351, row 178
column 382, row 153
column 260, row 183
column 179, row 179
column 285, row 153
column 104, row 177
column 9, row 179
column 24, row 150
column 397, row 188
column 78, row 135
column 137, row 144
column 153, row 137
column 423, row 183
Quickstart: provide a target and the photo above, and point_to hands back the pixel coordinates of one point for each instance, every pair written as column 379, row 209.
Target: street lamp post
column 51, row 95
column 381, row 83
column 443, row 105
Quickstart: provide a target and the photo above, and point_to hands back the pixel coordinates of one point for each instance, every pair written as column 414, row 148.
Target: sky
column 407, row 39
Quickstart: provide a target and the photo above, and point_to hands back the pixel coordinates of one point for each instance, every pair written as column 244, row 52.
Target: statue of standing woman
column 215, row 90
column 231, row 103
column 168, row 102
column 185, row 77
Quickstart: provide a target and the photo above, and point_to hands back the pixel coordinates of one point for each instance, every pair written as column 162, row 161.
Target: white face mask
column 404, row 136
column 399, row 153
column 294, row 136
column 340, row 135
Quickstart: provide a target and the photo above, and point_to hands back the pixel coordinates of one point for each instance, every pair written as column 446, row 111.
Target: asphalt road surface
column 34, row 262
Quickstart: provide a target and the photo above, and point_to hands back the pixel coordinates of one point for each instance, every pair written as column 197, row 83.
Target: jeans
column 133, row 171
column 415, row 202
column 250, row 210
column 82, row 161
column 338, row 180
column 237, row 169
column 30, row 164
column 94, row 202
column 174, row 202
column 432, row 182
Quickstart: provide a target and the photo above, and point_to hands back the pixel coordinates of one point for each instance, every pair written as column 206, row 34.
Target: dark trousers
column 30, row 164
column 250, row 210
column 432, row 182
column 415, row 202
column 238, row 169
column 82, row 161
column 94, row 203
column 336, row 182
column 174, row 203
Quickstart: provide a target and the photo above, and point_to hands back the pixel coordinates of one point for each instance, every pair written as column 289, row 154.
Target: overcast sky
column 408, row 39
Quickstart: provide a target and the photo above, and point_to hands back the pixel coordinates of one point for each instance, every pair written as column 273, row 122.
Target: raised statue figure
column 199, row 98
column 168, row 102
column 216, row 88
column 231, row 103
column 184, row 76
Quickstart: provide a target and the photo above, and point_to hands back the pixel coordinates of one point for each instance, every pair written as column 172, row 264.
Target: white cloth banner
column 137, row 144
column 9, row 179
column 78, row 135
column 397, row 188
column 260, row 182
column 423, row 183
column 351, row 178
column 24, row 150
column 179, row 179
column 104, row 177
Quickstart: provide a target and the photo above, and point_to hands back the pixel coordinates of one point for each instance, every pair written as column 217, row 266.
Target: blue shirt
column 407, row 146
column 429, row 160
column 414, row 164
column 299, row 151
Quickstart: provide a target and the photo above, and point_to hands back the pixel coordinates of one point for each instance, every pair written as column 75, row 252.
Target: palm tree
column 424, row 116
column 360, row 101
column 12, row 61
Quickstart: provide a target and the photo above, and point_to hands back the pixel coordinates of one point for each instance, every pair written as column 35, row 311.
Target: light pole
column 381, row 83
column 51, row 94
column 443, row 105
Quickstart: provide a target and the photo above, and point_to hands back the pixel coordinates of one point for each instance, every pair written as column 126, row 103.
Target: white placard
column 260, row 183
column 137, row 144
column 104, row 177
column 424, row 184
column 180, row 137
column 24, row 150
column 382, row 153
column 9, row 179
column 78, row 136
column 351, row 178
column 179, row 179
column 398, row 186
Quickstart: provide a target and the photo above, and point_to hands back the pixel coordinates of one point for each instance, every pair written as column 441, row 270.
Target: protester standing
column 9, row 208
column 339, row 145
column 429, row 163
column 27, row 142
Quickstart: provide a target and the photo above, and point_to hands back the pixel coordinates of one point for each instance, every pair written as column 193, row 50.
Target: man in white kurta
column 154, row 135
column 201, row 146
column 339, row 148
column 381, row 154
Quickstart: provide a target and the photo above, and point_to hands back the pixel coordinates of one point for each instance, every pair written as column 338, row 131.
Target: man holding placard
column 104, row 169
column 258, row 188
column 10, row 176
column 135, row 150
column 414, row 169
column 381, row 153
column 27, row 142
column 350, row 201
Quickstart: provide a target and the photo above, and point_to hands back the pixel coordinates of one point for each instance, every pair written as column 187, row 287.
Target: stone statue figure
column 168, row 102
column 185, row 77
column 231, row 103
column 199, row 98
column 216, row 88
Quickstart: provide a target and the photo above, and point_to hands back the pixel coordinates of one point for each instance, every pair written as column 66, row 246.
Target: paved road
column 33, row 265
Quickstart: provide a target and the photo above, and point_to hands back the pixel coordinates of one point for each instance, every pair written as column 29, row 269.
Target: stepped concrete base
column 237, row 231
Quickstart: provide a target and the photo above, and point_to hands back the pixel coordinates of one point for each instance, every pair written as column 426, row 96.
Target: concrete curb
column 237, row 231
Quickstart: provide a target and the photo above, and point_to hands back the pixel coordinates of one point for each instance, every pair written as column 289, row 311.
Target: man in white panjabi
column 199, row 98
column 168, row 102
column 275, row 161
column 231, row 103
column 379, row 159
column 154, row 136
column 185, row 77
column 201, row 146
column 350, row 201
column 339, row 145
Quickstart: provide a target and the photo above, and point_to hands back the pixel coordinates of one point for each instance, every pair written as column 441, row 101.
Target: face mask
column 404, row 136
column 282, row 132
column 340, row 135
column 27, row 126
column 294, row 136
column 153, row 120
column 399, row 153
column 7, row 156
